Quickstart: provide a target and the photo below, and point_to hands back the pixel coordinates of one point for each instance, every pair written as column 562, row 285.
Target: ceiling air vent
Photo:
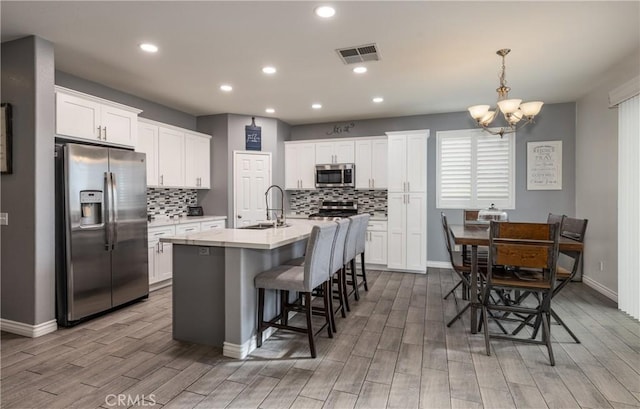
column 361, row 53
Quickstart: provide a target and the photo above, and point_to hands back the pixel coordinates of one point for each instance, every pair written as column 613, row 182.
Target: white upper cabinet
column 148, row 143
column 197, row 156
column 170, row 158
column 338, row 151
column 176, row 157
column 407, row 153
column 371, row 163
column 82, row 116
column 299, row 165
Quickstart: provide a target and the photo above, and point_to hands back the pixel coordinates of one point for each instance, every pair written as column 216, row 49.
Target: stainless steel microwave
column 336, row 175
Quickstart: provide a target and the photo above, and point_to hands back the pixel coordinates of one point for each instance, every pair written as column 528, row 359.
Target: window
column 475, row 169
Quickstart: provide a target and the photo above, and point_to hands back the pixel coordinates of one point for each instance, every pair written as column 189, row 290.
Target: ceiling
column 435, row 56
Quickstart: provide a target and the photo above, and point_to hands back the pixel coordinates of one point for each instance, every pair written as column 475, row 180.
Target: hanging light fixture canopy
column 513, row 110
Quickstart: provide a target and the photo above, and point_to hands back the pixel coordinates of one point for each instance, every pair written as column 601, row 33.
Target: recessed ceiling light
column 269, row 70
column 226, row 88
column 269, row 110
column 360, row 69
column 316, row 106
column 377, row 100
column 148, row 47
column 324, row 11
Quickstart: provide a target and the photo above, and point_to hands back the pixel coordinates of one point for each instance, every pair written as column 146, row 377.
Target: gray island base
column 214, row 298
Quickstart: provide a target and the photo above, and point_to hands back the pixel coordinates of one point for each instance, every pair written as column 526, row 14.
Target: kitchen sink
column 263, row 226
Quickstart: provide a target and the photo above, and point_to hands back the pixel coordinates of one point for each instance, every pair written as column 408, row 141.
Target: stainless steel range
column 334, row 210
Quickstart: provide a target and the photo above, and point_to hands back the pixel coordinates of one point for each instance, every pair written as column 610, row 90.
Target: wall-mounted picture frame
column 5, row 138
column 544, row 165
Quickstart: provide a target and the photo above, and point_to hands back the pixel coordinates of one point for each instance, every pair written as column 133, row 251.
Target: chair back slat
column 337, row 255
column 318, row 255
column 447, row 235
column 470, row 216
column 527, row 231
column 555, row 218
column 523, row 255
column 574, row 228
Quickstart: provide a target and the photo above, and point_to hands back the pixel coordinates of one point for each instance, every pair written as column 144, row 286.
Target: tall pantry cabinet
column 407, row 200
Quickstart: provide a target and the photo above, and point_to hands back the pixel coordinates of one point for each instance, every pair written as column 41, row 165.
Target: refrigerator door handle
column 107, row 211
column 114, row 209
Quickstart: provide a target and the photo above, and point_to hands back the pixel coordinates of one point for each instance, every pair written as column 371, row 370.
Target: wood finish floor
column 393, row 351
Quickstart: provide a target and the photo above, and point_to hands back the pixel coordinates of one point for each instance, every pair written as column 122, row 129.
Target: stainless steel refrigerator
column 101, row 230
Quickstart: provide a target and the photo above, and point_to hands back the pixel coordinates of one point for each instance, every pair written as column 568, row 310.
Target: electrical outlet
column 4, row 219
column 456, row 247
column 203, row 251
column 601, row 265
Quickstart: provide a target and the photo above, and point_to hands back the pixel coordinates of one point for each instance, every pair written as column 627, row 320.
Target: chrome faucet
column 280, row 220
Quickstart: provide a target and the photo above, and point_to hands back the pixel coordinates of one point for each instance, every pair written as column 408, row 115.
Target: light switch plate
column 4, row 219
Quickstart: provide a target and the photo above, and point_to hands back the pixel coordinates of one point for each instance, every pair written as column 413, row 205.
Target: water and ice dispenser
column 91, row 207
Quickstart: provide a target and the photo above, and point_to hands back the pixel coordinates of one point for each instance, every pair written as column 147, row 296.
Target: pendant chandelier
column 513, row 110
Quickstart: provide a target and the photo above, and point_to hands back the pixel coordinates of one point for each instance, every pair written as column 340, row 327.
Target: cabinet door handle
column 161, row 180
column 100, row 132
column 373, row 183
column 408, row 186
column 105, row 133
column 409, row 199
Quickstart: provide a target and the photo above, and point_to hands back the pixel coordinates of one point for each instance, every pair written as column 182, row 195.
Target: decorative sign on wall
column 253, row 136
column 544, row 165
column 341, row 128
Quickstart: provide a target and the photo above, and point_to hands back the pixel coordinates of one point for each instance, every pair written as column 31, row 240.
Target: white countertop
column 182, row 220
column 376, row 217
column 247, row 238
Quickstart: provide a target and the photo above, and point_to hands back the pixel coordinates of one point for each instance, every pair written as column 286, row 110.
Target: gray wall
column 27, row 245
column 228, row 132
column 597, row 173
column 555, row 122
column 150, row 110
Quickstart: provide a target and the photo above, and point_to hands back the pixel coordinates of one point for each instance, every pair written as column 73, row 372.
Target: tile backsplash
column 170, row 202
column 305, row 202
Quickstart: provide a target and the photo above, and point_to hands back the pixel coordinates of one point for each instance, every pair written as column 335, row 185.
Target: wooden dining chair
column 574, row 229
column 460, row 267
column 531, row 247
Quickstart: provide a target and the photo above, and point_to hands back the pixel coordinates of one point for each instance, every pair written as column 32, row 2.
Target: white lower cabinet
column 217, row 224
column 375, row 245
column 160, row 255
column 407, row 231
column 188, row 228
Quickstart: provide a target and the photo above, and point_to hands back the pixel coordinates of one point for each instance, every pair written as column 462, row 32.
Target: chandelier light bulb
column 509, row 106
column 532, row 108
column 478, row 111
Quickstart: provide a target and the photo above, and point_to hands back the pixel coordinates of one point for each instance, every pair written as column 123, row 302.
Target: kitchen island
column 214, row 298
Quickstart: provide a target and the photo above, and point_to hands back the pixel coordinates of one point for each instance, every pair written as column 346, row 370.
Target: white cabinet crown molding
column 173, row 127
column 426, row 132
column 99, row 100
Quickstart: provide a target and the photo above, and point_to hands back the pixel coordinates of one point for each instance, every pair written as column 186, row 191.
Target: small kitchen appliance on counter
column 334, row 210
column 194, row 211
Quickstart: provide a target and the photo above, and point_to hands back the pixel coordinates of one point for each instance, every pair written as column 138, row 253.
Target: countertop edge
column 183, row 220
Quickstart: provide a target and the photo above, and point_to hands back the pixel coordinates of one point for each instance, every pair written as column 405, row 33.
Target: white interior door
column 252, row 177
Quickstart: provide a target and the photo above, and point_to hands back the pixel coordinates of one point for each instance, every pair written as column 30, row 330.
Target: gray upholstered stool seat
column 282, row 277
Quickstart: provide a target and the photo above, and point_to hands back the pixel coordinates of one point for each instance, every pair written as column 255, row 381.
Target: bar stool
column 355, row 244
column 303, row 280
column 336, row 269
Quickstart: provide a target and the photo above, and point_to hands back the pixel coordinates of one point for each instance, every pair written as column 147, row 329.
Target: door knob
column 239, row 216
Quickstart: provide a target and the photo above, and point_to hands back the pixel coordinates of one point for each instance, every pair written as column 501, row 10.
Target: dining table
column 475, row 236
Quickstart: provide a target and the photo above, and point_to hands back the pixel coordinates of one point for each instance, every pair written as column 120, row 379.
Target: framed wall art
column 5, row 138
column 544, row 165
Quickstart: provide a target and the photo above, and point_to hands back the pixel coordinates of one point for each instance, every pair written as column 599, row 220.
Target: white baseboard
column 590, row 282
column 28, row 330
column 240, row 351
column 438, row 264
column 160, row 284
